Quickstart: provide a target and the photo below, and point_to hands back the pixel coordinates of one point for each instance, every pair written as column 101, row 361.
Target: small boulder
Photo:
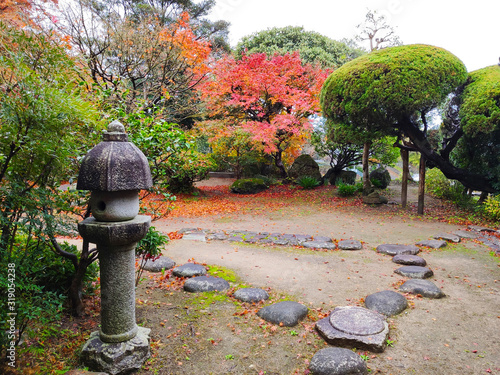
column 189, row 270
column 350, row 245
column 397, row 249
column 433, row 244
column 374, row 198
column 347, row 177
column 337, row 361
column 415, row 272
column 304, row 165
column 287, row 313
column 380, row 178
column 386, row 302
column 466, row 234
column 248, row 186
column 205, row 284
column 157, row 265
column 425, row 288
column 409, row 260
column 251, row 295
column 447, row 237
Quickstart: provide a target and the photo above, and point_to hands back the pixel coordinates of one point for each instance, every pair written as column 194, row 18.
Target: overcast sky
column 468, row 29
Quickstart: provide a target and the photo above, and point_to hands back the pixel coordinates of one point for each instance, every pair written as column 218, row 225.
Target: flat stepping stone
column 205, row 284
column 322, row 239
column 415, row 272
column 350, row 245
column 195, row 236
column 396, row 249
column 251, row 295
column 219, row 236
column 387, row 302
column 447, row 236
column 466, row 234
column 433, row 244
column 425, row 288
column 319, row 245
column 409, row 260
column 162, row 263
column 287, row 313
column 480, row 229
column 189, row 270
column 356, row 327
column 337, row 361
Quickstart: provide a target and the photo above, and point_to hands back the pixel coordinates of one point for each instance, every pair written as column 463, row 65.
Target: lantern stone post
column 115, row 171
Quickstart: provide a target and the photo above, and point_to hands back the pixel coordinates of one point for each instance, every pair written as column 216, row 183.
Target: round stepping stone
column 350, row 245
column 205, row 284
column 357, row 321
column 409, row 260
column 433, row 244
column 287, row 313
column 337, row 361
column 415, row 272
column 189, row 270
column 425, row 288
column 386, row 302
column 251, row 295
column 162, row 263
column 396, row 249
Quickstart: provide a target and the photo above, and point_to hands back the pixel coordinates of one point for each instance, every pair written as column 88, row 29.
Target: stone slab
column 337, row 361
column 425, row 288
column 375, row 343
column 159, row 264
column 219, row 236
column 205, row 284
column 415, row 272
column 447, row 236
column 397, row 249
column 195, row 236
column 386, row 302
column 189, row 270
column 251, row 295
column 350, row 245
column 478, row 228
column 287, row 313
column 409, row 260
column 466, row 234
column 433, row 244
column 319, row 245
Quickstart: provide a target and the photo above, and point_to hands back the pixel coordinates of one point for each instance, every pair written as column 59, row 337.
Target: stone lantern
column 115, row 171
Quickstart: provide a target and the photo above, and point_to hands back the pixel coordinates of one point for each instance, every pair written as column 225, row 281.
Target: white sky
column 468, row 29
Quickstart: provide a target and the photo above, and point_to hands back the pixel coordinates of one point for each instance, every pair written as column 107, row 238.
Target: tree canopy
column 313, row 47
column 392, row 91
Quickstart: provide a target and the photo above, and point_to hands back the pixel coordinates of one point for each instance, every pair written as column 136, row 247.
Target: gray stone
column 382, row 176
column 319, row 245
column 157, row 265
column 355, row 327
column 415, row 272
column 116, row 358
column 350, row 245
column 337, row 361
column 433, row 244
column 409, row 260
column 386, row 302
column 205, row 284
column 217, row 236
column 447, row 237
column 189, row 230
column 189, row 270
column 374, row 198
column 251, row 295
column 347, row 177
column 195, row 236
column 287, row 313
column 236, row 239
column 304, row 165
column 396, row 249
column 322, row 239
column 425, row 288
column 466, row 234
column 480, row 229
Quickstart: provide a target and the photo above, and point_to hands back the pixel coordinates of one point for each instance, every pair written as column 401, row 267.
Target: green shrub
column 492, row 207
column 308, row 182
column 346, row 190
column 149, row 248
column 437, row 184
column 248, row 186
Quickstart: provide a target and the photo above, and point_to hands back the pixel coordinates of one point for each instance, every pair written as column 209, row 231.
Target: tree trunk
column 367, row 186
column 75, row 290
column 279, row 163
column 404, row 178
column 421, row 185
column 483, row 197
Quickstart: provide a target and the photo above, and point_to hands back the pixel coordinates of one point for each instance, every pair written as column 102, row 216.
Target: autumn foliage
column 270, row 99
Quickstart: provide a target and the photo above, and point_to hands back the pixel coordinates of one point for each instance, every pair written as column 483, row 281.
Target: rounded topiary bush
column 248, row 186
column 380, row 178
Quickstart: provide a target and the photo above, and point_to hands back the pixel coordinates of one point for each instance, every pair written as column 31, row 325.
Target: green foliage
column 308, row 182
column 492, row 207
column 346, row 190
column 149, row 248
column 248, row 186
column 313, row 47
column 372, row 92
column 437, row 184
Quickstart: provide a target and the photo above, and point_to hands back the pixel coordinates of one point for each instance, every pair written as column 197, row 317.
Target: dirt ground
column 215, row 334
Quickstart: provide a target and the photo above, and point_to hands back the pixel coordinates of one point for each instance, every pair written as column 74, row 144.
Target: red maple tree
column 271, row 99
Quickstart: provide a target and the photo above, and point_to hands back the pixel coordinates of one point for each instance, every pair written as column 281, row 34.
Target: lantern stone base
column 118, row 358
